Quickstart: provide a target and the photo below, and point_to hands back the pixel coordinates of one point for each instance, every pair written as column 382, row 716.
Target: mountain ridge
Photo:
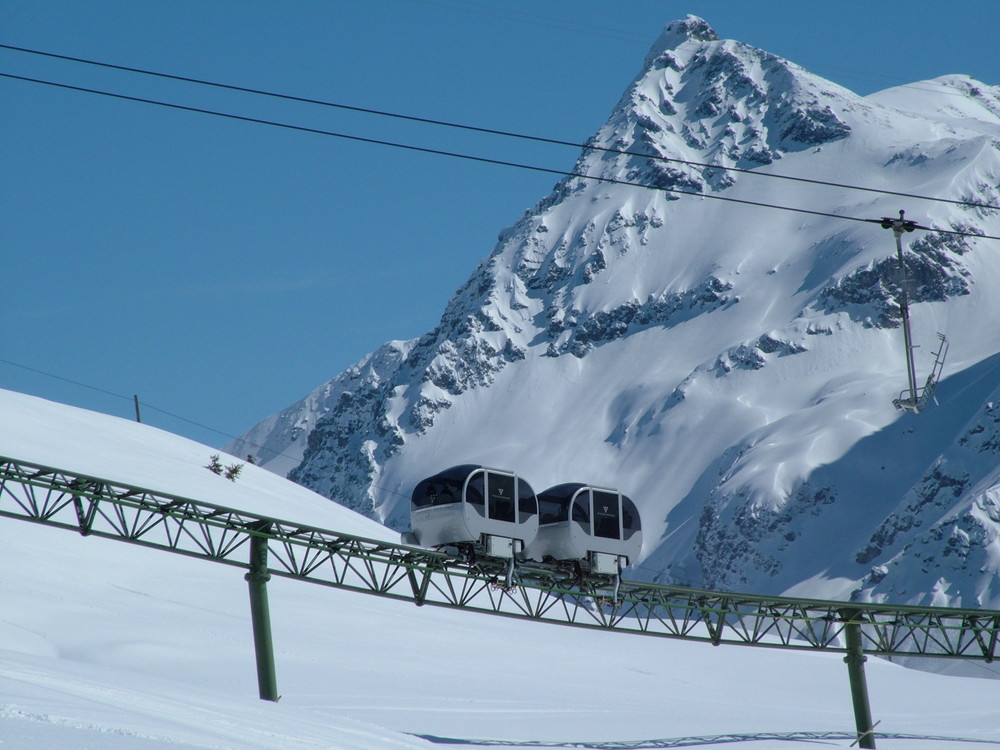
column 712, row 361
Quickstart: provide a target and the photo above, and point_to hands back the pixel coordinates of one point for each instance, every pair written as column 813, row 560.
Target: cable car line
column 268, row 547
column 457, row 155
column 108, row 509
column 494, row 131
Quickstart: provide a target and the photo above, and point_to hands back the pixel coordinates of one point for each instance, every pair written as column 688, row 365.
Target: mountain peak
column 703, row 99
column 677, row 33
column 692, row 27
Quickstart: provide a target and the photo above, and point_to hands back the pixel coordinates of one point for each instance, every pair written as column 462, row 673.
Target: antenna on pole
column 913, row 399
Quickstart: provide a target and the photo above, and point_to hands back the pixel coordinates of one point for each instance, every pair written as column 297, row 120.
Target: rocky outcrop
column 932, row 272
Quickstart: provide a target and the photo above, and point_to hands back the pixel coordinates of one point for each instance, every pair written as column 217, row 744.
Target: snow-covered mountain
column 111, row 646
column 731, row 367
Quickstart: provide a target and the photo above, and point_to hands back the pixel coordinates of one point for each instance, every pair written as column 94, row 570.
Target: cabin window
column 526, row 502
column 581, row 513
column 501, row 497
column 436, row 493
column 475, row 490
column 606, row 515
column 630, row 516
column 551, row 509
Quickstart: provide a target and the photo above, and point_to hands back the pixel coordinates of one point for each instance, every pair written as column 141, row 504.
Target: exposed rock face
column 941, row 546
column 571, row 334
column 731, row 367
column 932, row 272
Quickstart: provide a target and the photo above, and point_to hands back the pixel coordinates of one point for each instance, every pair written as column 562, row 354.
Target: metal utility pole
column 855, row 660
column 260, row 614
column 910, row 400
column 898, row 226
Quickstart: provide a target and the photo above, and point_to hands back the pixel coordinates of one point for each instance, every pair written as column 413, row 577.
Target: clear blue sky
column 222, row 269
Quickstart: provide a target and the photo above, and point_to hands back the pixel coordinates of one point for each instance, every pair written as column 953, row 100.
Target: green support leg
column 260, row 614
column 859, row 687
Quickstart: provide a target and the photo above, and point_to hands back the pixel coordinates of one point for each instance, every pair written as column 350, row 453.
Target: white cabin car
column 597, row 526
column 490, row 511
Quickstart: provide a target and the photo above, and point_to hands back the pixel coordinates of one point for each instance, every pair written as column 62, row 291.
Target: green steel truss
column 102, row 508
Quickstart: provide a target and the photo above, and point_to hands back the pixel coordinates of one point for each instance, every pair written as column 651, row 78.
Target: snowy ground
column 104, row 646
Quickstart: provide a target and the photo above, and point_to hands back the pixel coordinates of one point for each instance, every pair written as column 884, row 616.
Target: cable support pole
column 904, row 306
column 488, row 131
column 855, row 661
column 916, row 400
column 469, row 157
column 260, row 613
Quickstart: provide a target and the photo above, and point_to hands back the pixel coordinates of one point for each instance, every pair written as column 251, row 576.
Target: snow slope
column 731, row 368
column 105, row 646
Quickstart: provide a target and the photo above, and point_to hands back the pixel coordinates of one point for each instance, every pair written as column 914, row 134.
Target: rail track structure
column 268, row 547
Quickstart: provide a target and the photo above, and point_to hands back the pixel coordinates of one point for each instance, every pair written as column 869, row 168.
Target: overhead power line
column 491, row 131
column 271, row 452
column 457, row 155
column 116, row 395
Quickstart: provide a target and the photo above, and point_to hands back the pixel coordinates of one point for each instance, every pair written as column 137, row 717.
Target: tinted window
column 434, row 491
column 501, row 505
column 526, row 502
column 581, row 513
column 474, row 491
column 444, row 493
column 421, row 494
column 551, row 509
column 606, row 515
column 630, row 516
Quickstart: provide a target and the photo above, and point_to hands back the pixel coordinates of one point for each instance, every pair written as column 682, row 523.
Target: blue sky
column 222, row 269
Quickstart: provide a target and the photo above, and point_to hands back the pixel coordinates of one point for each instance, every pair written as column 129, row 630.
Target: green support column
column 260, row 614
column 859, row 686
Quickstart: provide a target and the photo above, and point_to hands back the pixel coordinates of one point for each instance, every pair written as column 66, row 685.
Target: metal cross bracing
column 102, row 508
column 547, row 593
